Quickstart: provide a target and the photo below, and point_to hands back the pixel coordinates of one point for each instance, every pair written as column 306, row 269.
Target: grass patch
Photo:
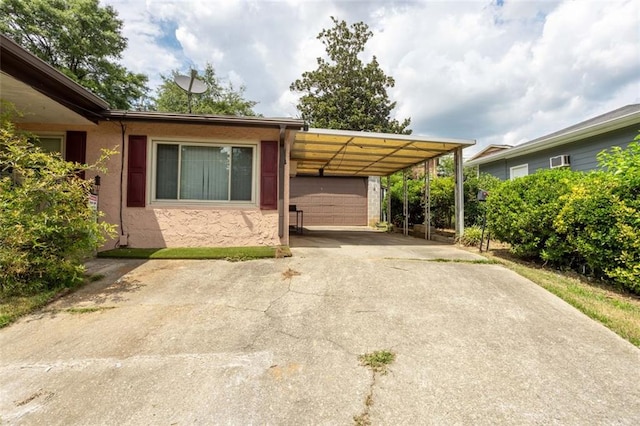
column 13, row 307
column 377, row 361
column 617, row 310
column 89, row 309
column 95, row 277
column 226, row 253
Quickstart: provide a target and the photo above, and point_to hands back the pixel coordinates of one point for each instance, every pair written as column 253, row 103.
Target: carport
column 343, row 153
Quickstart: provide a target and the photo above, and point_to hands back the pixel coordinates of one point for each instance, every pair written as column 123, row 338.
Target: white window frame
column 52, row 135
column 152, row 165
column 516, row 168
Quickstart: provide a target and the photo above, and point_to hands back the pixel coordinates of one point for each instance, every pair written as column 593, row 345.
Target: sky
column 497, row 71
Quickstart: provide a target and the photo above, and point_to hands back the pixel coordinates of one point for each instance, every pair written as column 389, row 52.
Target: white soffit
column 34, row 106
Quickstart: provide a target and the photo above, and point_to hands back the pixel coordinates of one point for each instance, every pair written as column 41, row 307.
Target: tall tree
column 80, row 38
column 343, row 92
column 217, row 99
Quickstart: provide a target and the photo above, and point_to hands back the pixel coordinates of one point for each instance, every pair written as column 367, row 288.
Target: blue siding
column 582, row 153
column 497, row 168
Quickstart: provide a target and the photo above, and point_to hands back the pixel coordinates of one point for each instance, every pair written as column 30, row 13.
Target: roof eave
column 28, row 68
column 220, row 120
column 551, row 142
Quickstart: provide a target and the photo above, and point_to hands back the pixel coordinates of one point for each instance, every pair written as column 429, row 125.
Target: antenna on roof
column 190, row 84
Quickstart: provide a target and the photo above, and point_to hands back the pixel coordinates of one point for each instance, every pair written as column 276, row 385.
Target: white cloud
column 498, row 72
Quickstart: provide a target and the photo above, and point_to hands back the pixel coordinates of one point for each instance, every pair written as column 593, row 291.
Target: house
column 575, row 147
column 185, row 180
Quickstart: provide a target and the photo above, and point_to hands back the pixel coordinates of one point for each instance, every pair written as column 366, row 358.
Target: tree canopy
column 343, row 92
column 217, row 99
column 81, row 39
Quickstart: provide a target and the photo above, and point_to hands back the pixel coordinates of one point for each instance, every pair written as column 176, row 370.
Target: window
column 519, row 171
column 203, row 172
column 49, row 143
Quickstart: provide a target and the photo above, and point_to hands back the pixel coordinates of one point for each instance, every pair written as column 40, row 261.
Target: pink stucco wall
column 177, row 225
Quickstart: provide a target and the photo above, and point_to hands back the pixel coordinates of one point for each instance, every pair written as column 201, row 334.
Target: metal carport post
column 459, row 191
column 427, row 199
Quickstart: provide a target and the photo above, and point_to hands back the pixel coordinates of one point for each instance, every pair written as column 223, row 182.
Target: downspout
column 282, row 161
column 123, row 127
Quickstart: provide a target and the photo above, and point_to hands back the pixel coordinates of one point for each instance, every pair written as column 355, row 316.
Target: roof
column 25, row 77
column 612, row 120
column 348, row 153
column 50, row 96
column 226, row 120
column 490, row 150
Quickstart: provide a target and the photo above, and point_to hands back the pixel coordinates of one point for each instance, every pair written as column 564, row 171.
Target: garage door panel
column 330, row 200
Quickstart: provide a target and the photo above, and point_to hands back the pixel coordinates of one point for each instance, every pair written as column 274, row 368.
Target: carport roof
column 350, row 153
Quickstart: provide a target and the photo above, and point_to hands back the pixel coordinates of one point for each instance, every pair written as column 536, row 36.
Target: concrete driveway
column 277, row 342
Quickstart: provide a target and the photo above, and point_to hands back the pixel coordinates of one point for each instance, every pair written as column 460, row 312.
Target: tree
column 218, row 99
column 47, row 227
column 344, row 93
column 81, row 39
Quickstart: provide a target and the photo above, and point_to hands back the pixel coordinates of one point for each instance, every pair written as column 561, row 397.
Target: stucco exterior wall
column 156, row 225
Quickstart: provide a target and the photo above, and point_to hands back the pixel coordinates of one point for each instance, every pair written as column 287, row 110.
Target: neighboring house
column 181, row 180
column 575, row 147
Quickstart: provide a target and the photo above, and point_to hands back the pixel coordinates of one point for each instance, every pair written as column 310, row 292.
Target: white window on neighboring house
column 203, row 172
column 518, row 171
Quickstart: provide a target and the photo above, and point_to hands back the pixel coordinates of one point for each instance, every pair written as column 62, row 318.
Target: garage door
column 330, row 200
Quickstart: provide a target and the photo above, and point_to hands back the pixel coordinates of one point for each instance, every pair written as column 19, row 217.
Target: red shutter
column 269, row 175
column 76, row 148
column 136, row 171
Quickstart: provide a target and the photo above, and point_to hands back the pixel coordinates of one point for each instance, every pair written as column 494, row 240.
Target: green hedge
column 522, row 211
column 590, row 222
column 442, row 199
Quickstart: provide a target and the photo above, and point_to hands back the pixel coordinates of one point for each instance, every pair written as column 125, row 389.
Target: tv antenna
column 191, row 85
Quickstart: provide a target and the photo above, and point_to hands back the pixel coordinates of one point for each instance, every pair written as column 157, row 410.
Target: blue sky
column 498, row 71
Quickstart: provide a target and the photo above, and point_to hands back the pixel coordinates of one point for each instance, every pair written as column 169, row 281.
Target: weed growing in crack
column 378, row 362
column 362, row 420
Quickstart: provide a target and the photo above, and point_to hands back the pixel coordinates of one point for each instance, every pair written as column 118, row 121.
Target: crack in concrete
column 364, row 419
column 378, row 362
column 277, row 328
column 239, row 308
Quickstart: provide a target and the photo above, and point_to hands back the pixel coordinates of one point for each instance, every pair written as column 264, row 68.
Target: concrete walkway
column 277, row 342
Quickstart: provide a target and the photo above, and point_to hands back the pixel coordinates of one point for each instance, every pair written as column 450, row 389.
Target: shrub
column 601, row 217
column 442, row 201
column 415, row 194
column 471, row 236
column 474, row 210
column 46, row 225
column 522, row 212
